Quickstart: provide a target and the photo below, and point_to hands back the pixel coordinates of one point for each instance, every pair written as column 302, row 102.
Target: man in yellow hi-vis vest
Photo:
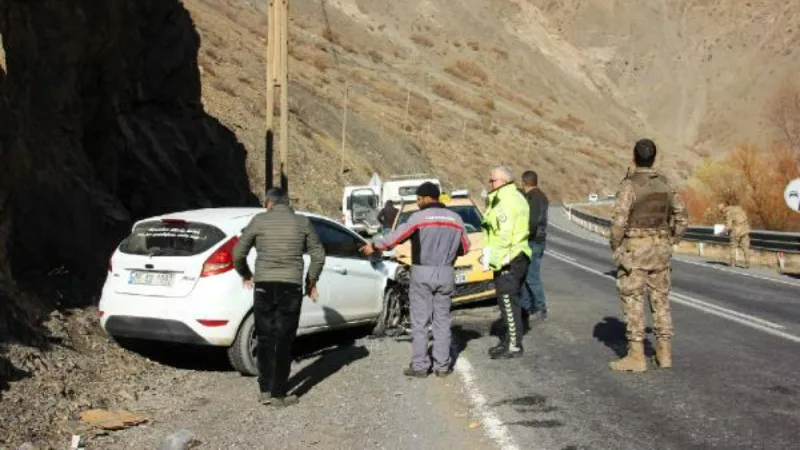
column 507, row 253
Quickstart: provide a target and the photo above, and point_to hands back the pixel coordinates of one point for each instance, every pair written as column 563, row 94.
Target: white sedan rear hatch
column 166, row 257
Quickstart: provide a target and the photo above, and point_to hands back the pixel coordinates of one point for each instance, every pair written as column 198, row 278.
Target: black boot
column 505, row 353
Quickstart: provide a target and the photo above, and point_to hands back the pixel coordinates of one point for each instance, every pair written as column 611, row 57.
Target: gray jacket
column 437, row 236
column 280, row 237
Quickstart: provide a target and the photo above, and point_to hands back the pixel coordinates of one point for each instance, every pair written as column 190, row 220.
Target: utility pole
column 344, row 126
column 277, row 76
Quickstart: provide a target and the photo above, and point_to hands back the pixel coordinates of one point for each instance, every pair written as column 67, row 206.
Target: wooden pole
column 344, row 126
column 284, row 80
column 269, row 135
column 277, row 76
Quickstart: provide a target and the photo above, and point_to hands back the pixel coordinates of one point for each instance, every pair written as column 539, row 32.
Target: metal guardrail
column 774, row 241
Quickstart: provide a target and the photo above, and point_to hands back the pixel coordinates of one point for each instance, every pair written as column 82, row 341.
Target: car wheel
column 390, row 320
column 242, row 354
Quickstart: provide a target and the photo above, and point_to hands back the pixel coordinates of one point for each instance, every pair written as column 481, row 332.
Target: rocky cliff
column 101, row 124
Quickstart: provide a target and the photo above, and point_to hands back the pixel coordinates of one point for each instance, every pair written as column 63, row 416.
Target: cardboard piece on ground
column 111, row 420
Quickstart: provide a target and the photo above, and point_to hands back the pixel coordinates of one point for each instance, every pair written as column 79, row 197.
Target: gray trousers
column 430, row 296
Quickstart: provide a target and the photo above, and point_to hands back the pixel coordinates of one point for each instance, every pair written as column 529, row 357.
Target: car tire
column 242, row 353
column 390, row 320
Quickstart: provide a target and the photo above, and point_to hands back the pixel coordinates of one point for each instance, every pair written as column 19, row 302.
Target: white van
column 361, row 203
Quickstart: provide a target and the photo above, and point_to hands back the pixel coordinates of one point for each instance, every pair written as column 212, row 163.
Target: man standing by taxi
column 533, row 297
column 507, row 253
column 438, row 237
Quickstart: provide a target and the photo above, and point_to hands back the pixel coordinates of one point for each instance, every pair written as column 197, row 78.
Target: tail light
column 220, row 261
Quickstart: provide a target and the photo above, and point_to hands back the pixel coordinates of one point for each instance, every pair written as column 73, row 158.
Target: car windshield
column 173, row 238
column 469, row 214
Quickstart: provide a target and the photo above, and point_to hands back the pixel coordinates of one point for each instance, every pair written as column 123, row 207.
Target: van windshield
column 364, row 202
column 171, row 238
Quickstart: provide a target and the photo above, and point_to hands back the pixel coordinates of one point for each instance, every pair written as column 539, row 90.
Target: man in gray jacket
column 280, row 237
column 438, row 237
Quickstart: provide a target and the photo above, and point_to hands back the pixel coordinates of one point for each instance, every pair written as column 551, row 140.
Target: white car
column 592, row 198
column 172, row 279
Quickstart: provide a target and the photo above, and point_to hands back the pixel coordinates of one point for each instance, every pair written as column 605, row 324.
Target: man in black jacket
column 387, row 215
column 533, row 298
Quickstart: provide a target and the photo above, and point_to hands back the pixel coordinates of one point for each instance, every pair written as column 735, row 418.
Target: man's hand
column 248, row 284
column 367, row 250
column 313, row 294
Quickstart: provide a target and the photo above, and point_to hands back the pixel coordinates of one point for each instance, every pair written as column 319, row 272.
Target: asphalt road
column 734, row 385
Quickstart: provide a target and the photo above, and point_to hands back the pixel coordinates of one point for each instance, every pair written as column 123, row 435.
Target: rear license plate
column 151, row 278
column 461, row 278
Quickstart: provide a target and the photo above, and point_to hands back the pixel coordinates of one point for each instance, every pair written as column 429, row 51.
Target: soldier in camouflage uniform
column 648, row 219
column 737, row 226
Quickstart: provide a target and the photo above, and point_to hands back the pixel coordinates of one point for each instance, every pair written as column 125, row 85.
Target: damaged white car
column 172, row 279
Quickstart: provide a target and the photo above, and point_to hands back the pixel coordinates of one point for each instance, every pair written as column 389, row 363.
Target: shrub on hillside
column 748, row 176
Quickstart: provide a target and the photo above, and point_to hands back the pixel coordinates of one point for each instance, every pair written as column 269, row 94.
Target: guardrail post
column 700, row 248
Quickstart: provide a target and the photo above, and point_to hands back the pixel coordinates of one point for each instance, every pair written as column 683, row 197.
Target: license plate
column 461, row 278
column 151, row 278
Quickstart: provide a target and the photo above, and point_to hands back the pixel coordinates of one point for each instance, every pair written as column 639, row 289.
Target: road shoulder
column 352, row 396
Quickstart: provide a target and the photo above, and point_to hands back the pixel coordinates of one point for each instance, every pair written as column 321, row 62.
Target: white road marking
column 586, row 238
column 561, row 255
column 685, row 298
column 723, row 269
column 725, row 313
column 696, row 263
column 492, row 424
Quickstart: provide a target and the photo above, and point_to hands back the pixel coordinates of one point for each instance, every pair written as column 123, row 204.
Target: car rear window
column 171, row 238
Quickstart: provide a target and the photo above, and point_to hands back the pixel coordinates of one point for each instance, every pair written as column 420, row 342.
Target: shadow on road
column 611, row 332
column 329, row 362
column 215, row 359
column 461, row 338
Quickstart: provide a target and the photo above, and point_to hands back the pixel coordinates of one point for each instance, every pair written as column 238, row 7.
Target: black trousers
column 508, row 283
column 276, row 310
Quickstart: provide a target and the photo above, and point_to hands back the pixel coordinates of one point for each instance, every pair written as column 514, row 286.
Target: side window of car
column 337, row 242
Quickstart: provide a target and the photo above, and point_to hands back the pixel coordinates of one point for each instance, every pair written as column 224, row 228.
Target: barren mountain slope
column 564, row 87
column 481, row 93
column 701, row 72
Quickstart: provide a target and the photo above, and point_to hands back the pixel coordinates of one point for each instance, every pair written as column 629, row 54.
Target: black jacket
column 387, row 215
column 538, row 204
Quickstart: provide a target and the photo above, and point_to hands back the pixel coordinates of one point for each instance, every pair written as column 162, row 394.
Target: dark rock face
column 101, row 124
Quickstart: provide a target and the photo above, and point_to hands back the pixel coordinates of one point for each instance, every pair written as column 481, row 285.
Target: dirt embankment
column 102, row 124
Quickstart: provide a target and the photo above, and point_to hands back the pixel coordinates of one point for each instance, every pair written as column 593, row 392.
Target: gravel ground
column 352, row 395
column 43, row 390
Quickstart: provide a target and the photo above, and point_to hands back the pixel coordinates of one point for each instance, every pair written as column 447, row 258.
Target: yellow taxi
column 472, row 282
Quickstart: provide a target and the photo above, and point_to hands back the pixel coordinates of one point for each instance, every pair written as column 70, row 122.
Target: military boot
column 663, row 358
column 633, row 362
